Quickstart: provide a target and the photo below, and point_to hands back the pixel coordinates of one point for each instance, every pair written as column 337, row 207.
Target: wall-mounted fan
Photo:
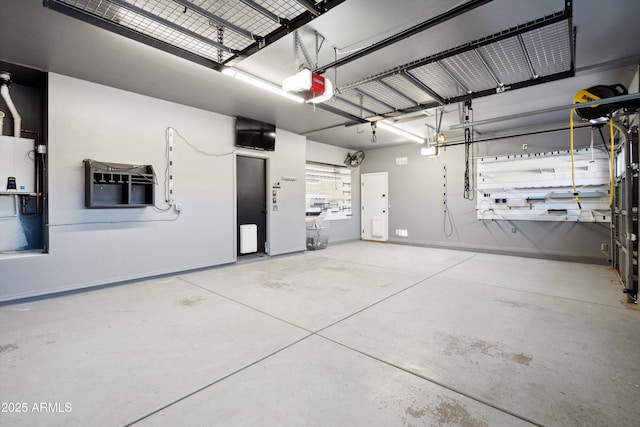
column 354, row 160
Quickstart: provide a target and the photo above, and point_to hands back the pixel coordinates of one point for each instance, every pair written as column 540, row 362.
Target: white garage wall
column 416, row 193
column 99, row 246
column 287, row 168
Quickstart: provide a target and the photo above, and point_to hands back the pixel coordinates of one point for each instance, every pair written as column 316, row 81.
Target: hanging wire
column 468, row 140
column 221, row 42
column 591, row 146
column 612, row 182
column 198, row 150
column 447, row 215
column 361, row 103
column 335, row 71
column 576, row 196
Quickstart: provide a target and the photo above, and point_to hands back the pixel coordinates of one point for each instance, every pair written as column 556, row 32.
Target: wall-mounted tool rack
column 117, row 185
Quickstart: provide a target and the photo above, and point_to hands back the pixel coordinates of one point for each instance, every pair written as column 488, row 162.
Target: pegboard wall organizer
column 537, row 187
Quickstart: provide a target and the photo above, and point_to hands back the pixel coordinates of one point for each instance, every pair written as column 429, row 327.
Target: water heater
column 17, row 165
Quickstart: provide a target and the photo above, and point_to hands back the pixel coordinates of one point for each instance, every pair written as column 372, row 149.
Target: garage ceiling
column 409, row 61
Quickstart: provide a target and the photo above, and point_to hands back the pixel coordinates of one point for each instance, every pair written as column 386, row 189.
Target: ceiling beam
column 334, row 110
column 310, row 6
column 488, row 68
column 354, row 105
column 379, row 101
column 417, row 82
column 397, row 92
column 218, row 20
column 525, row 53
column 263, row 10
column 450, row 14
column 453, row 77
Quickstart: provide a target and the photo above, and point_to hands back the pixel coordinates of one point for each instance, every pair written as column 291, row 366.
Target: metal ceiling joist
column 488, row 68
column 171, row 25
column 418, row 83
column 327, row 107
column 264, row 11
column 285, row 29
column 81, row 15
column 218, row 20
column 534, row 75
column 514, row 86
column 310, row 6
column 450, row 14
column 397, row 92
column 357, row 106
column 378, row 100
column 454, row 78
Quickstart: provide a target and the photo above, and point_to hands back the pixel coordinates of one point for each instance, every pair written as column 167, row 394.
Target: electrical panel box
column 17, row 165
column 117, row 185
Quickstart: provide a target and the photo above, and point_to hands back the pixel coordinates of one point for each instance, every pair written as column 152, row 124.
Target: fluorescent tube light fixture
column 400, row 132
column 254, row 81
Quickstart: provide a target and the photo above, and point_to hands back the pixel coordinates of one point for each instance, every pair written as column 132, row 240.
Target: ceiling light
column 431, row 151
column 398, row 131
column 254, row 81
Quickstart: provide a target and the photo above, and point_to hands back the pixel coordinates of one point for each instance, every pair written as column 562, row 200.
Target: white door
column 375, row 206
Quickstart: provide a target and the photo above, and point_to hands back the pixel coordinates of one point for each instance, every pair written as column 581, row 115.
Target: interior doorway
column 375, row 206
column 251, row 194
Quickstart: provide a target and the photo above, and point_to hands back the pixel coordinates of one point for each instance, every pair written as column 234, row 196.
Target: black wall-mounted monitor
column 255, row 134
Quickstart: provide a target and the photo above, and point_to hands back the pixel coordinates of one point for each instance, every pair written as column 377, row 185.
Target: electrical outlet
column 604, row 247
column 178, row 207
column 402, row 232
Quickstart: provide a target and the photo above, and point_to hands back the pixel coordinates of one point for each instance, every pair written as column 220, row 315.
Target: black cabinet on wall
column 117, row 185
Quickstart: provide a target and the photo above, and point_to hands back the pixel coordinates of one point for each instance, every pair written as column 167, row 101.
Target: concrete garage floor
column 358, row 334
